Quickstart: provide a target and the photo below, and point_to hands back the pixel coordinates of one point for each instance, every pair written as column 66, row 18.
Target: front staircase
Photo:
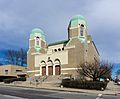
column 53, row 81
column 46, row 81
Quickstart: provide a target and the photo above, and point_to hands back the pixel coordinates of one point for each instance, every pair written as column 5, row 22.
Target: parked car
column 118, row 82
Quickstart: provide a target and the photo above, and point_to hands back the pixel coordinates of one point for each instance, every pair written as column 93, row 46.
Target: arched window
column 43, row 63
column 57, row 61
column 50, row 63
column 59, row 49
column 37, row 40
column 82, row 25
column 55, row 50
column 81, row 29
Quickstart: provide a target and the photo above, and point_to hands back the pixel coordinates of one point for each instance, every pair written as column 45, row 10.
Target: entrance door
column 43, row 71
column 57, row 70
column 50, row 70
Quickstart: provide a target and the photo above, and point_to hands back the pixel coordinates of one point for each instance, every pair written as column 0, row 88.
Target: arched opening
column 37, row 41
column 82, row 25
column 43, row 64
column 59, row 49
column 43, row 71
column 50, row 67
column 55, row 50
column 57, row 67
column 81, row 29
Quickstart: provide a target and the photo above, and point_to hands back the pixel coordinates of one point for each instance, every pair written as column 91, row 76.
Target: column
column 47, row 70
column 53, row 69
column 40, row 70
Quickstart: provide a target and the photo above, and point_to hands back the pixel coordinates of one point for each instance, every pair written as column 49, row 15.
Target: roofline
column 58, row 42
column 96, row 48
column 12, row 65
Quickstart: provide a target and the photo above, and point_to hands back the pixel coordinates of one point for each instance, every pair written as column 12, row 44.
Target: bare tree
column 118, row 72
column 16, row 57
column 11, row 56
column 95, row 70
column 117, row 75
column 23, row 56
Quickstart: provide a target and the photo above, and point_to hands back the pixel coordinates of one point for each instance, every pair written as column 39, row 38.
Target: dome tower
column 37, row 45
column 37, row 40
column 77, row 28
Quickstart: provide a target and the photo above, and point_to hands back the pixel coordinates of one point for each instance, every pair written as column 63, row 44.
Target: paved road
column 7, row 92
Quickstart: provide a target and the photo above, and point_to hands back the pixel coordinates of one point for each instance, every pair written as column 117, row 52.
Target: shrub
column 21, row 79
column 84, row 84
column 2, row 78
column 66, row 82
column 10, row 80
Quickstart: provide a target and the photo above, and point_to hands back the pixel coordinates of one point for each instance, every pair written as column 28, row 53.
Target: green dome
column 37, row 32
column 76, row 20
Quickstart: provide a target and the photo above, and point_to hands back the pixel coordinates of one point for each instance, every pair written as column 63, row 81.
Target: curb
column 62, row 89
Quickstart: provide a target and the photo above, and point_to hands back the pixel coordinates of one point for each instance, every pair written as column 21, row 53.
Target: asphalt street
column 8, row 92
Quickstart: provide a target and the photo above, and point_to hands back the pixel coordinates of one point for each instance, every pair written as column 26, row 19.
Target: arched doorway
column 50, row 70
column 57, row 67
column 43, row 64
column 43, row 71
column 50, row 67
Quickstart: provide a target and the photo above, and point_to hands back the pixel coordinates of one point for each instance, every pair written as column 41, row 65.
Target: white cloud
column 17, row 18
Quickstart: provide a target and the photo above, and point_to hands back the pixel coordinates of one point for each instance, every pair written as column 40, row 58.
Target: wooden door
column 43, row 71
column 57, row 70
column 50, row 70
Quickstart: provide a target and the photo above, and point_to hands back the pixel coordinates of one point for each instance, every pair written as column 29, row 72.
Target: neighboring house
column 12, row 70
column 61, row 57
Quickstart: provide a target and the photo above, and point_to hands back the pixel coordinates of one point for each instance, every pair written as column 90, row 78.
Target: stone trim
column 33, row 71
column 70, row 68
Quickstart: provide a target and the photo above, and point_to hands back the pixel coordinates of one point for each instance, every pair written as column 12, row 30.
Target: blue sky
column 115, row 69
column 19, row 17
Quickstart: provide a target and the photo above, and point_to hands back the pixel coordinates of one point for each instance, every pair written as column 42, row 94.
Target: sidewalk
column 111, row 89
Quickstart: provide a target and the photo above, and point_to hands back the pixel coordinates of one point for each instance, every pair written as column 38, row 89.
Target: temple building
column 62, row 57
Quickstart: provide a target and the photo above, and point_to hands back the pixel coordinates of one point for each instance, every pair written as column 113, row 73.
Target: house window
column 63, row 49
column 18, row 70
column 6, row 72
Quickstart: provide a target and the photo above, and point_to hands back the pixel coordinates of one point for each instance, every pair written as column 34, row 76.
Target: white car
column 118, row 82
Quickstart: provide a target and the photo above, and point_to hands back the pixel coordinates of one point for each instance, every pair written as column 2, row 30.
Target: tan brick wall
column 73, row 32
column 31, row 59
column 43, row 44
column 76, row 56
column 3, row 68
column 12, row 70
column 69, row 72
column 32, row 42
column 92, row 53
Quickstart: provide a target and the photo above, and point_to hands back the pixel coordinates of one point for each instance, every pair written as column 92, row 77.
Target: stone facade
column 61, row 57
